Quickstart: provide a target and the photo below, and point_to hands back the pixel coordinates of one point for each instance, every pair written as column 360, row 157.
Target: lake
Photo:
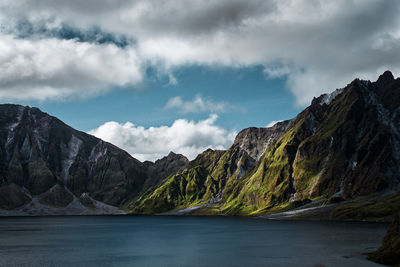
column 184, row 241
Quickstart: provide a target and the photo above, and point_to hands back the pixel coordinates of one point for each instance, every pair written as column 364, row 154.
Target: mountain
column 47, row 167
column 205, row 178
column 341, row 154
column 162, row 168
column 337, row 159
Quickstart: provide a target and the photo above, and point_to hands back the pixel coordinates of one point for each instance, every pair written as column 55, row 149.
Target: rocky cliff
column 45, row 165
column 255, row 140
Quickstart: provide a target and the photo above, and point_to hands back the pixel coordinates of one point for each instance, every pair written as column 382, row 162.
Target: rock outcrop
column 389, row 252
column 256, row 140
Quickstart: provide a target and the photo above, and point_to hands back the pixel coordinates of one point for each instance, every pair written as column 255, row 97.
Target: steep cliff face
column 39, row 151
column 42, row 156
column 344, row 145
column 358, row 136
column 255, row 140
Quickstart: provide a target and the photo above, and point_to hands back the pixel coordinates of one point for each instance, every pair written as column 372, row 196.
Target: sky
column 160, row 76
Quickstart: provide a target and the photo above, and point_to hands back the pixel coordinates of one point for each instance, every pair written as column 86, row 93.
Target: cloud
column 185, row 137
column 317, row 46
column 198, row 104
column 52, row 29
column 55, row 69
column 272, row 123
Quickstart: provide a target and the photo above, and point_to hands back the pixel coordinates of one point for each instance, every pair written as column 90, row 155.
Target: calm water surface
column 184, row 241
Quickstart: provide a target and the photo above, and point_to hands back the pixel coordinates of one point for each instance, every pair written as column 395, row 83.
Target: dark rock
column 13, row 196
column 86, row 200
column 57, row 196
column 38, row 151
column 164, row 167
column 389, row 252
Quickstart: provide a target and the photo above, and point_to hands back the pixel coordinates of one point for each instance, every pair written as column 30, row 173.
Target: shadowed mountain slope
column 39, row 154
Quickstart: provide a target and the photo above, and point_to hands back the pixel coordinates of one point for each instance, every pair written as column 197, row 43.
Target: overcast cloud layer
column 317, row 45
column 185, row 137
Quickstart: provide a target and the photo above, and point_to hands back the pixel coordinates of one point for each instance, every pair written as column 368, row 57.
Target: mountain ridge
column 38, row 151
column 342, row 148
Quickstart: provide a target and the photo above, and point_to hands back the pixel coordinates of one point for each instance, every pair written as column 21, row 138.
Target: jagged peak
column 174, row 156
column 261, row 130
column 386, row 77
column 171, row 153
column 170, row 157
column 327, row 98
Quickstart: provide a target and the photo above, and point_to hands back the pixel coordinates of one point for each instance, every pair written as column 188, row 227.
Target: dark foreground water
column 184, row 241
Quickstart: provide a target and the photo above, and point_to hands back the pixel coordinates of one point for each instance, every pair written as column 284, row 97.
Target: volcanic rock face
column 40, row 155
column 255, row 140
column 344, row 145
column 38, row 151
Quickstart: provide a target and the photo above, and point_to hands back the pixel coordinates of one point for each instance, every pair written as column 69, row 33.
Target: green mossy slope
column 200, row 182
column 344, row 148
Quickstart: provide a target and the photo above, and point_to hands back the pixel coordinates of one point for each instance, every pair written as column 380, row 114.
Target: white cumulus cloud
column 185, row 137
column 198, row 104
column 55, row 69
